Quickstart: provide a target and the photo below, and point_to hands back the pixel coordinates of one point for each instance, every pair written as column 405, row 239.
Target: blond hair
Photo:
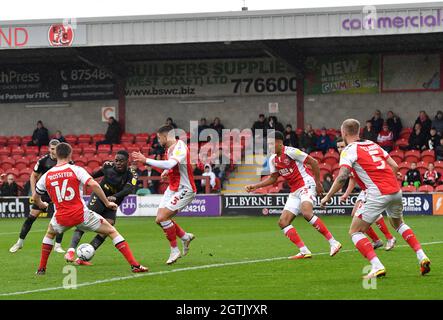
column 351, row 127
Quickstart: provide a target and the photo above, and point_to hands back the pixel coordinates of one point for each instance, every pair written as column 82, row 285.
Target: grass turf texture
column 220, row 241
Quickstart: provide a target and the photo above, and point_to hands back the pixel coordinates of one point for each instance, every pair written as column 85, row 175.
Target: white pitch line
column 208, row 266
column 17, row 232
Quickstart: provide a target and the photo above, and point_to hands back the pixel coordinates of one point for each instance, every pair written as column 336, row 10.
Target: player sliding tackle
column 377, row 172
column 291, row 163
column 380, row 222
column 181, row 190
column 64, row 184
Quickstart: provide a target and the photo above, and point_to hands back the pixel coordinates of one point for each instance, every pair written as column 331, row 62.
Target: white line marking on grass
column 208, row 266
column 17, row 232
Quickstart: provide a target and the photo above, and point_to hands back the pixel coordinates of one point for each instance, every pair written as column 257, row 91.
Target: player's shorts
column 371, row 209
column 361, row 198
column 92, row 221
column 96, row 205
column 177, row 200
column 45, row 198
column 295, row 199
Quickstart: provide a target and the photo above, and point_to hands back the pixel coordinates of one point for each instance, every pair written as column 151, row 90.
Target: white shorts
column 295, row 199
column 361, row 198
column 371, row 209
column 177, row 200
column 92, row 221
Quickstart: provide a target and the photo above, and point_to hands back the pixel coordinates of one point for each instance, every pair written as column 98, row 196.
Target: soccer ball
column 85, row 251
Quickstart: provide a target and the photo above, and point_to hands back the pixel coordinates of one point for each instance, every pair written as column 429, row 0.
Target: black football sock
column 97, row 241
column 27, row 225
column 76, row 238
column 59, row 238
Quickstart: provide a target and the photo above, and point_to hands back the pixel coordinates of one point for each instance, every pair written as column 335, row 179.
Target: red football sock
column 371, row 233
column 383, row 227
column 409, row 237
column 363, row 245
column 178, row 230
column 169, row 230
column 122, row 246
column 292, row 235
column 320, row 226
column 46, row 251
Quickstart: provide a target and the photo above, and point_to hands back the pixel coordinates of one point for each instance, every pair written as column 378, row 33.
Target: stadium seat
column 84, row 138
column 31, row 150
column 401, row 142
column 94, row 162
column 81, row 161
column 17, row 150
column 404, row 167
column 98, row 137
column 397, row 155
column 77, row 150
column 412, row 156
column 428, row 156
column 408, row 189
column 88, row 150
column 324, row 168
column 3, row 141
column 317, row 155
column 426, row 188
column 7, row 164
column 439, row 188
column 12, row 171
column 141, row 138
column 25, row 173
column 116, row 147
column 26, row 139
column 438, row 164
column 127, row 138
column 104, row 149
column 145, row 149
column 331, row 157
column 132, row 148
column 14, row 141
column 71, row 139
column 405, row 133
column 5, row 152
column 422, row 167
column 21, row 163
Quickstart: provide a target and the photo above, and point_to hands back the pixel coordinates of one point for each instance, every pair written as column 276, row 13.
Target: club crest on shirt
column 286, row 161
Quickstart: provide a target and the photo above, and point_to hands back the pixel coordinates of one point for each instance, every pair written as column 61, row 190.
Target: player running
column 361, row 198
column 118, row 182
column 64, row 183
column 41, row 167
column 181, row 190
column 291, row 163
column 377, row 172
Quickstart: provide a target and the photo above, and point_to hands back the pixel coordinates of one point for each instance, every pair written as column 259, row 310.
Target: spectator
column 152, row 184
column 385, row 138
column 377, row 121
column 323, row 141
column 291, row 139
column 431, row 176
column 439, row 150
column 369, row 133
column 112, row 134
column 260, row 124
column 27, row 189
column 9, row 187
column 208, row 173
column 217, row 126
column 170, row 122
column 433, row 139
column 156, row 147
column 308, row 139
column 40, row 136
column 417, row 139
column 394, row 124
column 327, row 182
column 274, row 124
column 337, row 138
column 198, row 183
column 412, row 176
column 202, row 126
column 424, row 121
column 437, row 123
column 59, row 136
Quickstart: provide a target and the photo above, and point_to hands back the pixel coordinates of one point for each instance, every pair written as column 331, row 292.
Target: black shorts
column 45, row 198
column 97, row 206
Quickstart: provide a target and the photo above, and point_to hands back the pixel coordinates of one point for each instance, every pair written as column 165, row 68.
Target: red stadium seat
column 104, row 149
column 405, row 133
column 402, row 142
column 25, row 173
column 426, row 188
column 412, row 156
column 26, row 139
column 84, row 138
column 317, row 155
column 127, row 138
column 21, row 163
column 324, row 168
column 141, row 138
column 71, row 139
column 397, row 155
column 31, row 150
column 5, row 151
column 428, row 156
column 438, row 164
column 133, row 148
column 94, row 162
column 331, row 157
column 14, row 140
column 17, row 150
column 145, row 149
column 422, row 167
column 439, row 188
column 404, row 167
column 7, row 164
column 12, row 171
column 116, row 147
column 78, row 150
column 3, row 141
column 80, row 161
column 88, row 150
column 408, row 189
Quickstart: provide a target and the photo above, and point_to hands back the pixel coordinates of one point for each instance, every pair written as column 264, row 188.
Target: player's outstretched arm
column 394, row 166
column 101, row 195
column 37, row 200
column 348, row 191
column 316, row 171
column 162, row 164
column 269, row 181
column 343, row 175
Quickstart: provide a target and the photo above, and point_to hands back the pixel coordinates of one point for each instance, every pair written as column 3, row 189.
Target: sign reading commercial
column 232, row 77
column 342, row 74
column 40, row 83
column 14, row 207
column 411, row 72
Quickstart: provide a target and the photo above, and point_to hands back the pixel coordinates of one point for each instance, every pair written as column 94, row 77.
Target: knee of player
column 159, row 219
column 282, row 222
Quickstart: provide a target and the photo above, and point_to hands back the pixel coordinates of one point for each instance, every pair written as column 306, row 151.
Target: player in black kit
column 43, row 164
column 118, row 181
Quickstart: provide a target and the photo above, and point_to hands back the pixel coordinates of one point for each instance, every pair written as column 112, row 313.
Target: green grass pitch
column 231, row 258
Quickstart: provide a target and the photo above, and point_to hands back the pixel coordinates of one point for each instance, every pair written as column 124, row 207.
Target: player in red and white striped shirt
column 181, row 190
column 291, row 163
column 377, row 172
column 64, row 183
